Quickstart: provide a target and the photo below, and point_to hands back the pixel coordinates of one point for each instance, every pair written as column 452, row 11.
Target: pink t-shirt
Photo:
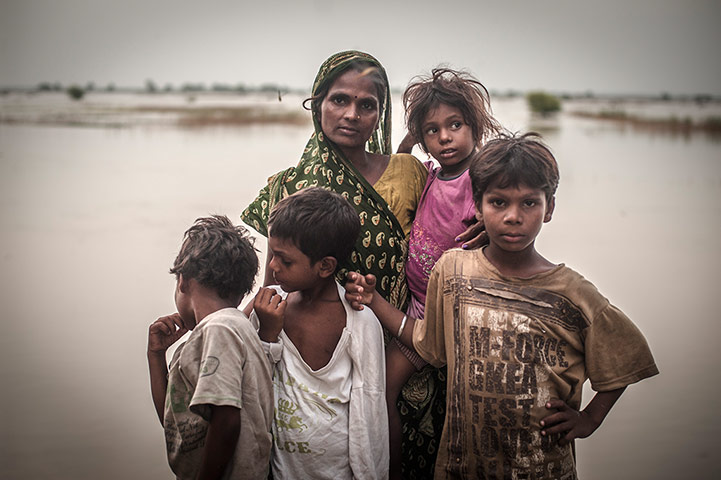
column 445, row 210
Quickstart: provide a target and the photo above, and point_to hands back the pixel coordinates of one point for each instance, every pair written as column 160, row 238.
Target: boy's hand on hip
column 164, row 332
column 569, row 420
column 359, row 289
column 270, row 308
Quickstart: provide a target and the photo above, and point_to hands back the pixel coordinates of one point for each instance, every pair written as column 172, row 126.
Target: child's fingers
column 277, row 303
column 356, row 303
column 553, row 419
column 159, row 328
column 282, row 306
column 166, row 325
column 566, row 426
column 263, row 297
column 353, row 288
column 557, row 403
column 476, row 242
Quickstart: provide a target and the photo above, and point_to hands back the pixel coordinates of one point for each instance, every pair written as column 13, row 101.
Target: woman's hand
column 270, row 308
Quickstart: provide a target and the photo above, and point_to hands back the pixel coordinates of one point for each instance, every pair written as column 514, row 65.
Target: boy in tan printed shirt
column 520, row 335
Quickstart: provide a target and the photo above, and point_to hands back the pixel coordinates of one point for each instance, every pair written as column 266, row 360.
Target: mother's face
column 350, row 110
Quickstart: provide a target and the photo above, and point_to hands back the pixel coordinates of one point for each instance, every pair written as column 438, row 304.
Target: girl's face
column 448, row 138
column 349, row 112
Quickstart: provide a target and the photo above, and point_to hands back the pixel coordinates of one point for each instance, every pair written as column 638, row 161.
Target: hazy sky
column 613, row 46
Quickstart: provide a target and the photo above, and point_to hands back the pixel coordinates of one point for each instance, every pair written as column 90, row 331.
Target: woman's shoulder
column 407, row 160
column 408, row 167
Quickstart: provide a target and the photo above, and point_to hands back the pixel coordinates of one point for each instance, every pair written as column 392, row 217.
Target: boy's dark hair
column 457, row 89
column 319, row 222
column 218, row 255
column 361, row 66
column 512, row 160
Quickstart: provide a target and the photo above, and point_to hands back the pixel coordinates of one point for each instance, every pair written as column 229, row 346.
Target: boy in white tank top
column 329, row 375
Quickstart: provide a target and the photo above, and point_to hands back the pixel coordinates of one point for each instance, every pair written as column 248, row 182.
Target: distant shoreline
column 280, row 90
column 124, row 109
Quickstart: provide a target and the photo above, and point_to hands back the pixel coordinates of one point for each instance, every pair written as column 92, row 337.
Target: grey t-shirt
column 223, row 364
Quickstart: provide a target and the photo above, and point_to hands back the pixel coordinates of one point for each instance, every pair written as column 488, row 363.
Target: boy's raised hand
column 270, row 308
column 359, row 289
column 164, row 332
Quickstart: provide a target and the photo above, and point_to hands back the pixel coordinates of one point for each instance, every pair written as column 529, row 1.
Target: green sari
column 381, row 246
column 381, row 249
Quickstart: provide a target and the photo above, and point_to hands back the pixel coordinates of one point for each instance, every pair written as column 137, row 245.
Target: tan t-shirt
column 511, row 345
column 222, row 363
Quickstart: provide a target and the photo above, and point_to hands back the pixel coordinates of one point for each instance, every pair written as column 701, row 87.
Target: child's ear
column 549, row 210
column 327, row 266
column 479, row 215
column 182, row 283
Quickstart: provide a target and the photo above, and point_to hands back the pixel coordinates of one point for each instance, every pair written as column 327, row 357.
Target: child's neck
column 451, row 173
column 204, row 306
column 323, row 291
column 454, row 171
column 523, row 264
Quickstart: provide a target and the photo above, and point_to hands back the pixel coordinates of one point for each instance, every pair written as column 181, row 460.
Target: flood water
column 92, row 218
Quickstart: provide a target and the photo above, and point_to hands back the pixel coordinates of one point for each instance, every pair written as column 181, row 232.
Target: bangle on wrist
column 403, row 325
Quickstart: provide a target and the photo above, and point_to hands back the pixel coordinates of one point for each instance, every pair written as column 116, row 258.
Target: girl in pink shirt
column 448, row 114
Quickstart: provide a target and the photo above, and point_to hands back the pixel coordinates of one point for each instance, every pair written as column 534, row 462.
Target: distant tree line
column 541, row 102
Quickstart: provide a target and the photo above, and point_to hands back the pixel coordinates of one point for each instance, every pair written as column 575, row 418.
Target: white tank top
column 310, row 427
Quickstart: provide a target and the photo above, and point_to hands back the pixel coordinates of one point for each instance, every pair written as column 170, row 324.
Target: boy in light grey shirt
column 216, row 403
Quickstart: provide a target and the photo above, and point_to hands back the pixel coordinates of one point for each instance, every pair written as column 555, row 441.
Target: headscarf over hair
column 380, row 141
column 381, row 245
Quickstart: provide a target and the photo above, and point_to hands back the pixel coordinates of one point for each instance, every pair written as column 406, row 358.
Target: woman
column 349, row 152
column 351, row 110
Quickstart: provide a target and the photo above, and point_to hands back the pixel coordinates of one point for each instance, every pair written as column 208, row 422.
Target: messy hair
column 319, row 222
column 363, row 67
column 218, row 255
column 457, row 89
column 512, row 160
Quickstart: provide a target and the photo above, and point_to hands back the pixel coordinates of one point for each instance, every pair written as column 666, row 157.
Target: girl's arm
column 360, row 290
column 406, row 145
column 220, row 441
